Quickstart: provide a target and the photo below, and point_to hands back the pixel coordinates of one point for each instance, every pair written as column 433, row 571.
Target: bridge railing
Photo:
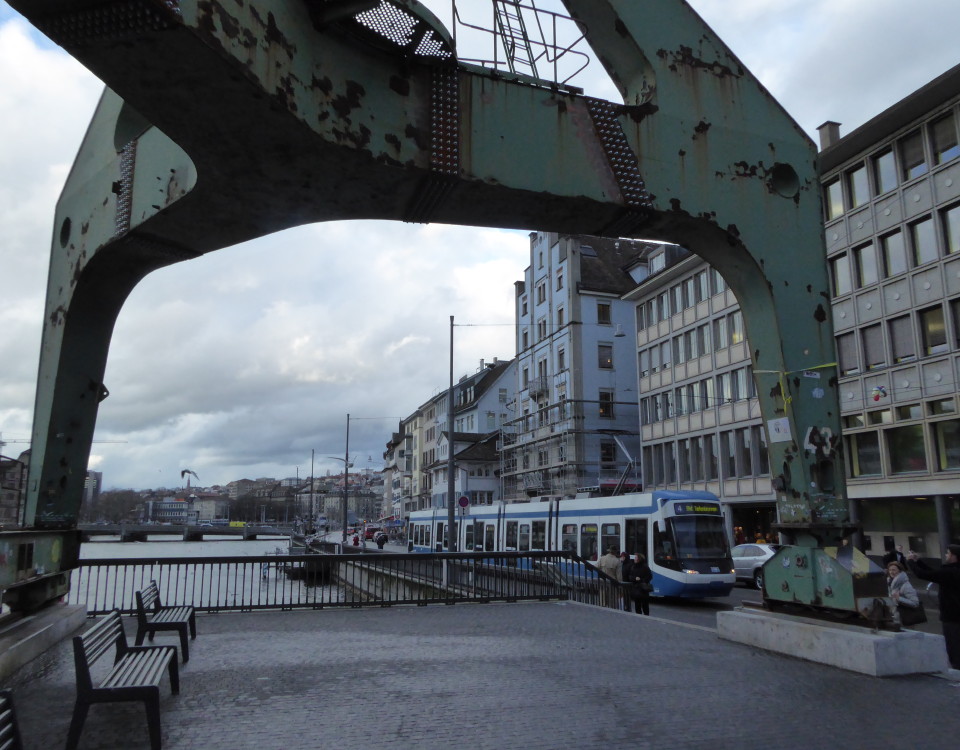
column 313, row 581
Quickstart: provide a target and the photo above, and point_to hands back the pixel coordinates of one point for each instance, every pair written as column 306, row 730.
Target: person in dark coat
column 947, row 579
column 639, row 576
column 380, row 538
column 895, row 554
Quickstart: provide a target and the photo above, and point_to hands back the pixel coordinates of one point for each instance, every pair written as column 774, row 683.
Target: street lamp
column 451, row 537
column 346, row 479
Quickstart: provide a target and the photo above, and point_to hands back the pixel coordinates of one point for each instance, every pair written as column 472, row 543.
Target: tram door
column 635, row 537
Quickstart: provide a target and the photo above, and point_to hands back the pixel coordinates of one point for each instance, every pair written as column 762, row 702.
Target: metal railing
column 315, row 581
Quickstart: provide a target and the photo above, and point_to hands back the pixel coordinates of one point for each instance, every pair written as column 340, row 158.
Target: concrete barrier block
column 849, row 647
column 25, row 638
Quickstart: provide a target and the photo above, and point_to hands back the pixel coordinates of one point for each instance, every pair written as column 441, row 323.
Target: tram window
column 539, row 540
column 662, row 544
column 609, row 536
column 588, row 541
column 426, row 536
column 569, row 538
column 468, row 540
column 524, row 545
column 412, row 531
column 635, row 536
column 511, row 536
column 478, row 535
column 489, row 537
column 442, row 534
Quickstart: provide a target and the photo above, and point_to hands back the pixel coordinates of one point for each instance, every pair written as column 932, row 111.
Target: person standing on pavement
column 624, row 586
column 610, row 565
column 640, row 578
column 947, row 579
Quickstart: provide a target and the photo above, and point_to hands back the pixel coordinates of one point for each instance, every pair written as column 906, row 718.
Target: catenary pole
column 451, row 526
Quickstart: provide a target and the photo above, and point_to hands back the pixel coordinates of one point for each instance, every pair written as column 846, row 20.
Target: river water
column 263, row 583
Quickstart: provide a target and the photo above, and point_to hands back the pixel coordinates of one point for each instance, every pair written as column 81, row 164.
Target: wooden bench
column 135, row 675
column 9, row 729
column 153, row 616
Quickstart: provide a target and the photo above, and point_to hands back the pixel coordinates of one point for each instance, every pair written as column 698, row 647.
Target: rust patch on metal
column 685, row 57
column 349, row 101
column 700, row 128
column 400, row 85
column 391, row 139
column 324, row 85
column 820, row 315
column 58, row 315
column 273, row 36
column 228, row 23
column 416, row 135
column 637, row 112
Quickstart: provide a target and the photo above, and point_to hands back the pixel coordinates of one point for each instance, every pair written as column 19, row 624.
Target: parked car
column 748, row 560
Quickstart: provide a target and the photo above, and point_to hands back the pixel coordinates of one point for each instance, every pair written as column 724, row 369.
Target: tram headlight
column 691, row 572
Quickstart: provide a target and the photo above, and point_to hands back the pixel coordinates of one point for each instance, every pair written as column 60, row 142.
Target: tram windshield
column 696, row 538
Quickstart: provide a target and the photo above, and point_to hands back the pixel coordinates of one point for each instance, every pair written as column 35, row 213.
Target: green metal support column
column 234, row 119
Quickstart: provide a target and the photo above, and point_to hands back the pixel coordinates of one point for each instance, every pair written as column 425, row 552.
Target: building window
column 736, row 327
column 857, row 187
column 680, row 401
column 906, row 449
column 955, row 313
column 703, row 285
column 704, row 339
column 884, row 172
column 902, row 344
column 526, row 377
column 665, row 354
column 721, row 339
column 711, row 465
column 866, row 261
column 683, row 460
column 943, row 139
column 541, row 329
column 946, row 436
column 840, row 272
column 833, row 199
column 561, row 359
column 666, row 405
column 523, row 306
column 559, row 280
column 606, row 404
column 761, row 457
column 663, row 306
column 933, row 332
column 719, row 285
column 873, row 352
column 679, row 354
column 912, row 161
column 894, row 254
column 669, row 464
column 847, row 354
column 641, row 313
column 924, row 242
column 951, row 229
column 864, row 452
column 728, row 455
column 742, row 439
column 605, row 356
column 608, row 455
column 560, row 317
column 658, row 263
column 603, row 313
column 655, row 359
column 690, row 292
column 696, row 459
column 643, row 362
column 725, row 387
column 524, row 340
column 707, row 398
column 541, row 293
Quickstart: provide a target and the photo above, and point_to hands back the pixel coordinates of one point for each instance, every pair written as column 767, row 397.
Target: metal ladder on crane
column 513, row 35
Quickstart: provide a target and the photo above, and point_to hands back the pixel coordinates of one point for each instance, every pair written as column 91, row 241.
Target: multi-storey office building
column 700, row 420
column 892, row 210
column 575, row 424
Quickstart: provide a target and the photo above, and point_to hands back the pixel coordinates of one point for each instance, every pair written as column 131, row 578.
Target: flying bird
column 187, row 471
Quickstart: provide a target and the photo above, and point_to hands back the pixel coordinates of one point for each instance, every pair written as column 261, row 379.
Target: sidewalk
column 535, row 676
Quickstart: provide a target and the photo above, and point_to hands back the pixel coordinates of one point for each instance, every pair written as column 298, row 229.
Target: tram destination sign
column 687, row 508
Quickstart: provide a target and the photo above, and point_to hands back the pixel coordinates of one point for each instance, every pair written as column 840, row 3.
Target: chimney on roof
column 481, row 364
column 829, row 134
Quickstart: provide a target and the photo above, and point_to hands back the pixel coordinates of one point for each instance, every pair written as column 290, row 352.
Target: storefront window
column 864, row 454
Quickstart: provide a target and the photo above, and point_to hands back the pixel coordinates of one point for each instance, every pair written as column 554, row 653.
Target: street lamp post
column 451, row 537
column 346, row 480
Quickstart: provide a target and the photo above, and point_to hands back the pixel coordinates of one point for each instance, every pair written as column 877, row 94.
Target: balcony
column 538, row 386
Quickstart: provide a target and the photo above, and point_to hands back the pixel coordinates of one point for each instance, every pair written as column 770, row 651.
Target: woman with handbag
column 640, row 578
column 904, row 595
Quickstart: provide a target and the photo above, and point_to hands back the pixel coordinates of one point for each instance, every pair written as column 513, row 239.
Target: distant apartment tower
column 92, row 486
column 574, row 424
column 892, row 210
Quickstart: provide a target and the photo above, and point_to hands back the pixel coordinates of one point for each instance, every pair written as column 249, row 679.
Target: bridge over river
column 129, row 532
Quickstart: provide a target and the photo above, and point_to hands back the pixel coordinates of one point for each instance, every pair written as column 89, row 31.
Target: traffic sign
column 464, row 501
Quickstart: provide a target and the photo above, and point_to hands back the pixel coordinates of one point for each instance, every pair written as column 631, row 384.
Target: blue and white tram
column 681, row 534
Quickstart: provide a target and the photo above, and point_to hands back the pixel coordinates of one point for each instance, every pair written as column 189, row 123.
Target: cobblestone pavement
column 533, row 676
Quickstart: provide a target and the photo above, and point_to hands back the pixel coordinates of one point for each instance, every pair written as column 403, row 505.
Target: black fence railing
column 314, row 581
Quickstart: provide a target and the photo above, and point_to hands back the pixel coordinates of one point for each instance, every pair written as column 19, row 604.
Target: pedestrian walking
column 947, row 579
column 904, row 595
column 640, row 578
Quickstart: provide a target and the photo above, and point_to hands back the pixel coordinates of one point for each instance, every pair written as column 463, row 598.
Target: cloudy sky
column 303, row 327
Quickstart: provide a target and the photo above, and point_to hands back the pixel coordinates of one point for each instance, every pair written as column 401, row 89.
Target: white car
column 748, row 560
